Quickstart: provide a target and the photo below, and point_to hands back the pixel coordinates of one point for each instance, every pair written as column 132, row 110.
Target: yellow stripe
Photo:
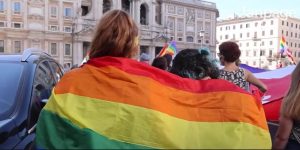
column 150, row 128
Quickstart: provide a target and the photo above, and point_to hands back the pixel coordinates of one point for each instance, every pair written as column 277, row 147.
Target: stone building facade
column 64, row 28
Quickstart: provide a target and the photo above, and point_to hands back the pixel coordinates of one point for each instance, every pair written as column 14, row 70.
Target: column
column 9, row 46
column 46, row 15
column 61, row 16
column 78, row 51
column 24, row 8
column 61, row 52
column 9, row 12
column 97, row 9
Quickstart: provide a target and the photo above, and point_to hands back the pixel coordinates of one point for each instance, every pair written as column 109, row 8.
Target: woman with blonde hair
column 288, row 133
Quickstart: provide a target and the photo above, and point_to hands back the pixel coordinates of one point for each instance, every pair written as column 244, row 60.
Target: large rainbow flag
column 168, row 49
column 121, row 103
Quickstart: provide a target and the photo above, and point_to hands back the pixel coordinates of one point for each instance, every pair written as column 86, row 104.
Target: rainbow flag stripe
column 121, row 103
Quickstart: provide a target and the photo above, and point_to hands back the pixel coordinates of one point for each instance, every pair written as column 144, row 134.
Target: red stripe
column 134, row 67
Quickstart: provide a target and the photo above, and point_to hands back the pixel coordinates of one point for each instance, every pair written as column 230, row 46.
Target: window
column 17, row 46
column 68, row 49
column 254, row 53
column 189, row 39
column 42, row 87
column 263, row 33
column 254, row 63
column 241, row 35
column 53, row 28
column 298, row 54
column 53, row 49
column 282, row 22
column 282, row 32
column 106, row 6
column 291, row 44
column 233, row 27
column 270, row 53
column 58, row 71
column 221, row 37
column 255, row 35
column 158, row 13
column 271, row 32
column 248, row 34
column 292, row 24
column 271, row 42
column 272, row 22
column 247, row 25
column 287, row 33
column 220, row 28
column 17, row 25
column 17, row 8
column 53, row 12
column 247, row 44
column 226, row 37
column 296, row 26
column 262, row 43
column 1, row 6
column 241, row 26
column 262, row 53
column 295, row 44
column 296, row 35
column 180, row 39
column 143, row 15
column 2, row 24
column 68, row 29
column 254, row 43
column 67, row 12
column 291, row 34
column 263, row 23
column 256, row 24
column 287, row 23
column 1, row 46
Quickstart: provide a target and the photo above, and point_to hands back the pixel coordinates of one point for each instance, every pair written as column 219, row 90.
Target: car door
column 43, row 83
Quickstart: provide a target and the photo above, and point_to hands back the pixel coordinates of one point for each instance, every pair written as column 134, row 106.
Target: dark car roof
column 27, row 56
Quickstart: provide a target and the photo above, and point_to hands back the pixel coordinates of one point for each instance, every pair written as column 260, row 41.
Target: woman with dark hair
column 195, row 64
column 229, row 55
column 160, row 62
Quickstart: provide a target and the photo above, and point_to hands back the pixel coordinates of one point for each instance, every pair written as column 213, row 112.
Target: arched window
column 126, row 5
column 158, row 12
column 189, row 39
column 144, row 14
column 106, row 5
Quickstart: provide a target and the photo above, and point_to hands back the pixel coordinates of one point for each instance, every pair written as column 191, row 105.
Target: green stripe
column 54, row 132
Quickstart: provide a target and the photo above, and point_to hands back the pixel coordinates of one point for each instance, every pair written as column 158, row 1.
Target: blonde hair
column 291, row 103
column 116, row 35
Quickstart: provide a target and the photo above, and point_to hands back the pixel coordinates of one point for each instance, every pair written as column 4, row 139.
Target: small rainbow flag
column 119, row 103
column 284, row 50
column 168, row 49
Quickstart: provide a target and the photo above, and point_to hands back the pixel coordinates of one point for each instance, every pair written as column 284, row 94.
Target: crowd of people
column 117, row 36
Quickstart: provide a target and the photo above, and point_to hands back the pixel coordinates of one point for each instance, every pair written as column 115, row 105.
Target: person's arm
column 253, row 80
column 283, row 133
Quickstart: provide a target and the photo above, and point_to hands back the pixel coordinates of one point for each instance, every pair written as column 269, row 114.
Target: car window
column 10, row 79
column 43, row 83
column 58, row 73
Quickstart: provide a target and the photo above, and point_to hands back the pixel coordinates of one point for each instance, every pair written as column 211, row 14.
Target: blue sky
column 227, row 8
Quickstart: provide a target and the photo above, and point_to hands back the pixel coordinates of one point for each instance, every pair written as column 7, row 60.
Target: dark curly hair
column 195, row 64
column 160, row 62
column 230, row 51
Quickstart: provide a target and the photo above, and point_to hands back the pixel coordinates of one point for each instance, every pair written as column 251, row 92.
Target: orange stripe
column 111, row 84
